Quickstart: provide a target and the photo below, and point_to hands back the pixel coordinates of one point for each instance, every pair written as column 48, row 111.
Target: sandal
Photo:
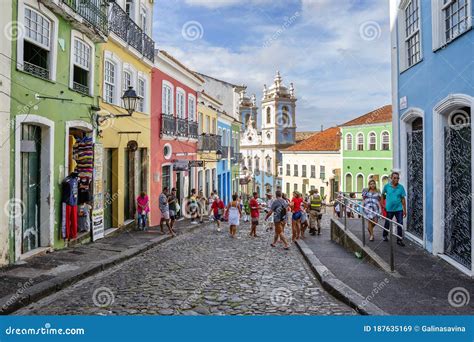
column 272, row 245
column 286, row 248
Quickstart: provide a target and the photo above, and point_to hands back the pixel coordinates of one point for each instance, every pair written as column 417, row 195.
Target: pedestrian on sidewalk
column 304, row 218
column 246, row 210
column 295, row 205
column 394, row 194
column 202, row 204
column 174, row 207
column 315, row 203
column 254, row 214
column 212, row 198
column 279, row 210
column 165, row 211
column 217, row 209
column 372, row 206
column 338, row 205
column 234, row 212
column 143, row 208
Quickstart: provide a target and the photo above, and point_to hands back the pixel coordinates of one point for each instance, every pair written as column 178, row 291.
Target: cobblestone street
column 204, row 272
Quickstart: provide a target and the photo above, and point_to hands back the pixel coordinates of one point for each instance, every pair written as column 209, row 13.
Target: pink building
column 174, row 129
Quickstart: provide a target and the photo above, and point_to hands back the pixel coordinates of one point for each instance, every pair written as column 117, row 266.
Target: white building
column 261, row 148
column 314, row 163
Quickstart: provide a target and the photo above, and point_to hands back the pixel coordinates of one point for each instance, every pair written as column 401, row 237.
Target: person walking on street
column 296, row 204
column 173, row 206
column 143, row 208
column 254, row 214
column 269, row 222
column 217, row 209
column 165, row 211
column 315, row 215
column 372, row 206
column 394, row 194
column 279, row 210
column 234, row 212
column 201, row 203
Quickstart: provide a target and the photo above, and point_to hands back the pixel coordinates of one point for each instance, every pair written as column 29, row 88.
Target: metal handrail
column 364, row 217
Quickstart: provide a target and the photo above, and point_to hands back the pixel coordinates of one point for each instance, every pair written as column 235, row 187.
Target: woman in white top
column 233, row 213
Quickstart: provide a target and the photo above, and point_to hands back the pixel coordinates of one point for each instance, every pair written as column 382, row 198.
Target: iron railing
column 36, row 70
column 124, row 27
column 81, row 88
column 182, row 127
column 358, row 208
column 93, row 11
column 168, row 124
column 193, row 129
column 209, row 142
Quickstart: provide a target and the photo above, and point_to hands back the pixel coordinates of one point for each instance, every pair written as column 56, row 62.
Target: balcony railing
column 182, row 127
column 193, row 130
column 93, row 11
column 36, row 70
column 124, row 27
column 209, row 142
column 168, row 124
column 80, row 88
column 173, row 126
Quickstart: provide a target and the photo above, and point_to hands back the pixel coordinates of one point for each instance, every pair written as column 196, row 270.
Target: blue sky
column 336, row 52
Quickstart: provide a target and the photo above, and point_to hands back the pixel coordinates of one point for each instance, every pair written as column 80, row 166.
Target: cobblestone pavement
column 203, row 272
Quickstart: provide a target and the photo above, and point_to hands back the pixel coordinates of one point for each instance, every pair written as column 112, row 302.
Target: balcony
column 36, row 70
column 81, row 88
column 93, row 11
column 127, row 30
column 209, row 142
column 178, row 127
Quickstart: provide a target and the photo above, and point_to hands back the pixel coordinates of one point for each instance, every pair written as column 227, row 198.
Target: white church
column 260, row 148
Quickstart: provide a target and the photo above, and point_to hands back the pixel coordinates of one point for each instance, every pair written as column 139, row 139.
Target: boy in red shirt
column 217, row 208
column 254, row 214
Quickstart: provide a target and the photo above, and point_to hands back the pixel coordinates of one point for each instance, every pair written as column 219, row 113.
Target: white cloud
column 336, row 72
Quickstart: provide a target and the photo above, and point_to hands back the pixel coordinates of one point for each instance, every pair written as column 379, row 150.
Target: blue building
column 224, row 168
column 433, row 100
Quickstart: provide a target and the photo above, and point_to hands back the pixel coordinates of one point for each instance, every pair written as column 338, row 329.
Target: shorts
column 217, row 217
column 297, row 215
column 165, row 215
column 255, row 221
column 172, row 214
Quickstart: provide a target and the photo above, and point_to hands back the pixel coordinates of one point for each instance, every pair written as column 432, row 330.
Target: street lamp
column 130, row 100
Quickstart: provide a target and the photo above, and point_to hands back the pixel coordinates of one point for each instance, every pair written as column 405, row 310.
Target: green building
column 54, row 98
column 367, row 150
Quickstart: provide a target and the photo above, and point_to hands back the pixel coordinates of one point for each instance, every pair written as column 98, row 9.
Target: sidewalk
column 42, row 275
column 421, row 286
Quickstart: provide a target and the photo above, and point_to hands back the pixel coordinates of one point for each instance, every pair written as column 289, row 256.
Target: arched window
column 360, row 142
column 348, row 182
column 269, row 115
column 385, row 141
column 349, row 142
column 249, row 163
column 360, row 182
column 257, row 164
column 372, row 141
column 167, row 98
column 269, row 164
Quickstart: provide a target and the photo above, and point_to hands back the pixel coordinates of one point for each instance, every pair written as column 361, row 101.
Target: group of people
column 302, row 212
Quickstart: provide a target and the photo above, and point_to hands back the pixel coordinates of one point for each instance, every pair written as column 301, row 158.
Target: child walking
column 143, row 208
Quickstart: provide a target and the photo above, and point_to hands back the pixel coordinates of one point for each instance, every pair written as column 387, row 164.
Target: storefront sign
column 181, row 165
column 196, row 163
column 98, row 210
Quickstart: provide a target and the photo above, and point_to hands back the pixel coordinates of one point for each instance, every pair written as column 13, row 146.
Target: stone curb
column 13, row 302
column 336, row 287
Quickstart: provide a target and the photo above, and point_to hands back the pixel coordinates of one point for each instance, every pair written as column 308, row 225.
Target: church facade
column 260, row 146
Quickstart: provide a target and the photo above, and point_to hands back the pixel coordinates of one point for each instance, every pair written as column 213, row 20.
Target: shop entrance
column 30, row 186
column 108, row 187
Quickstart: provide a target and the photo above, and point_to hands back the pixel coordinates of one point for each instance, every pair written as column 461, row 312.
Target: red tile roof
column 379, row 115
column 300, row 136
column 327, row 140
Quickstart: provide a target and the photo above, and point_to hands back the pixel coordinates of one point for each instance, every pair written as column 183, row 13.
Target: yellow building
column 126, row 61
column 209, row 142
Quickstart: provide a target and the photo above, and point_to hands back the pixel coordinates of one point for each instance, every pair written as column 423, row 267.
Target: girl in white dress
column 234, row 212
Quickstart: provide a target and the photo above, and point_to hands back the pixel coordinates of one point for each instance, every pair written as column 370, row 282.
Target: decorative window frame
column 80, row 36
column 191, row 116
column 180, row 91
column 402, row 49
column 438, row 24
column 110, row 57
column 146, row 102
column 373, row 134
column 34, row 5
column 389, row 141
column 352, row 142
column 170, row 85
column 345, row 182
column 127, row 67
column 360, row 134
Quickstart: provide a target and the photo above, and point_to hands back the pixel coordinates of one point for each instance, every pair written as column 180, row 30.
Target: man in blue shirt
column 395, row 205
